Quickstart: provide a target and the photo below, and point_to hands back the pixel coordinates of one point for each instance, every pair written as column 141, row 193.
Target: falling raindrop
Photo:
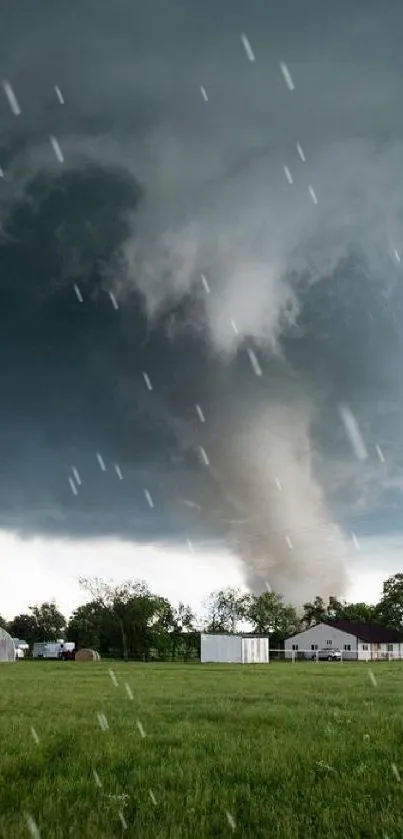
column 353, row 432
column 200, row 413
column 12, row 99
column 247, row 47
column 72, row 486
column 59, row 94
column 101, row 462
column 301, row 153
column 254, row 362
column 288, row 175
column 204, row 456
column 56, row 148
column 147, row 381
column 78, row 293
column 148, row 497
column 287, row 76
column 205, row 283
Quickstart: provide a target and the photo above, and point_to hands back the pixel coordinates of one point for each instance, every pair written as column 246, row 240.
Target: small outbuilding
column 355, row 640
column 245, row 648
column 7, row 648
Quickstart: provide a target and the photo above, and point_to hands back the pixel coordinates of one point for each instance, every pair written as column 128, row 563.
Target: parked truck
column 64, row 650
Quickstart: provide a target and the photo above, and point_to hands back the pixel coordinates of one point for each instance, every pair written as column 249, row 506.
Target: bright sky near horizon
column 38, row 570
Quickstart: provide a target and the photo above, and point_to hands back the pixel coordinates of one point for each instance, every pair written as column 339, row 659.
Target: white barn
column 358, row 641
column 246, row 648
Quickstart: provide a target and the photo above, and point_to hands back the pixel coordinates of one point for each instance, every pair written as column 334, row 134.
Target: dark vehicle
column 68, row 655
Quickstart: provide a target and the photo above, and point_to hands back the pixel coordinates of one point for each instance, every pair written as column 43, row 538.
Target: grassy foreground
column 286, row 750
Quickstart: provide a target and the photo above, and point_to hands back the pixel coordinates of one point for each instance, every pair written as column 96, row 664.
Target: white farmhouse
column 358, row 641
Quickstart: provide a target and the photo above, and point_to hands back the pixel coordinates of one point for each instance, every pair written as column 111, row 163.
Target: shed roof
column 374, row 633
column 236, row 634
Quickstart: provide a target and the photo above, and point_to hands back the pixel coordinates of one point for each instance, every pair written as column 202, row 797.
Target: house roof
column 374, row 633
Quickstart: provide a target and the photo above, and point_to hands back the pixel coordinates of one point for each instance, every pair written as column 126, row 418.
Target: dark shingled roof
column 374, row 633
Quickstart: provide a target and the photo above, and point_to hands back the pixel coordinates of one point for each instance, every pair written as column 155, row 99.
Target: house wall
column 379, row 652
column 320, row 635
column 221, row 648
column 395, row 653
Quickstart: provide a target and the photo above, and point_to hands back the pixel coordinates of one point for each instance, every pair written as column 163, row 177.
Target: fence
column 318, row 656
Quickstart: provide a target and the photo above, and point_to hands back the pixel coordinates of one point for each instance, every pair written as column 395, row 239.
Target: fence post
column 293, row 656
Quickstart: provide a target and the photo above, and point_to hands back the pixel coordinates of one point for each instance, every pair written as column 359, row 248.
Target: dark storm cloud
column 158, row 186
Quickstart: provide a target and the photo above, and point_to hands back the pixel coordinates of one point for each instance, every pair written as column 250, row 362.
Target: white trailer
column 234, row 649
column 21, row 647
column 52, row 649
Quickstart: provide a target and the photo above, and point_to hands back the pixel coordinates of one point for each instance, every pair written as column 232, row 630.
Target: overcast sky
column 201, row 269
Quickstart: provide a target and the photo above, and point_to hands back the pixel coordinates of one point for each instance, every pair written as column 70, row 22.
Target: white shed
column 234, row 649
column 355, row 640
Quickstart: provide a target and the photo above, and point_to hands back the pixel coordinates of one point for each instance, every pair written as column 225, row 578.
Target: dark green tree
column 50, row 623
column 88, row 625
column 44, row 623
column 183, row 634
column 360, row 612
column 334, row 608
column 389, row 610
column 25, row 628
column 269, row 614
column 136, row 615
column 314, row 613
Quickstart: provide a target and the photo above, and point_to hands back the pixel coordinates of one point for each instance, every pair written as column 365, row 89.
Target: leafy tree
column 389, row 610
column 87, row 625
column 160, row 625
column 45, row 623
column 50, row 623
column 314, row 613
column 134, row 611
column 360, row 612
column 183, row 635
column 184, row 618
column 269, row 614
column 334, row 608
column 24, row 627
column 318, row 611
column 226, row 608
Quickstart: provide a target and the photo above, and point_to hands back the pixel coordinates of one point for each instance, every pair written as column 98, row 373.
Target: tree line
column 128, row 621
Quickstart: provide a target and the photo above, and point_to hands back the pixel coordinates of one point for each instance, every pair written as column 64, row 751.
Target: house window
column 295, row 646
column 329, row 643
column 365, row 646
column 347, row 647
column 390, row 648
column 314, row 646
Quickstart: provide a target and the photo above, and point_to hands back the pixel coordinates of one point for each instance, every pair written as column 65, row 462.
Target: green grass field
column 285, row 750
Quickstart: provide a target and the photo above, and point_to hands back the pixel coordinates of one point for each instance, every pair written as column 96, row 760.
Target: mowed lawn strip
column 285, row 750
